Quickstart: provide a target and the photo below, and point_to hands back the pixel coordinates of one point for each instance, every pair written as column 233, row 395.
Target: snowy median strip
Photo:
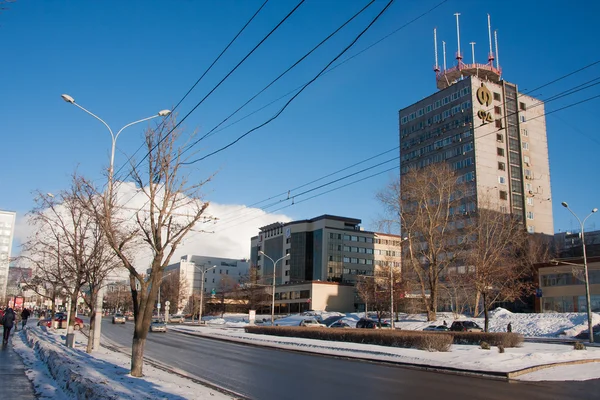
column 59, row 372
column 461, row 358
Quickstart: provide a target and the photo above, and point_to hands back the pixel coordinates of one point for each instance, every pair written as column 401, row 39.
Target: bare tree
column 429, row 211
column 173, row 206
column 225, row 286
column 494, row 262
column 71, row 235
column 252, row 291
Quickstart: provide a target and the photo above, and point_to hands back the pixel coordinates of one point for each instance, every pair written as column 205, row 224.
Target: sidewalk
column 12, row 374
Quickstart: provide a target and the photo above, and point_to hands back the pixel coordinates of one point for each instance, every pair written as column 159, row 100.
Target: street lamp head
column 594, row 210
column 564, row 204
column 262, row 252
column 50, row 195
column 163, row 113
column 405, row 238
column 67, row 98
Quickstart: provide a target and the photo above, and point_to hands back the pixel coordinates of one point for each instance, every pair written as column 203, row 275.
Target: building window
column 497, row 110
column 287, row 262
column 523, row 119
column 529, row 214
column 501, row 166
column 503, row 195
column 530, row 201
column 497, row 96
column 522, row 106
column 526, row 160
column 530, row 228
column 213, row 280
column 499, row 137
column 287, row 241
column 525, row 146
column 287, row 273
column 498, row 123
column 287, row 251
column 524, row 132
column 226, row 272
column 500, row 151
column 502, row 180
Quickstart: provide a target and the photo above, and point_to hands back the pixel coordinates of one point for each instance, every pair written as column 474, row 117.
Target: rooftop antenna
column 458, row 54
column 491, row 54
column 497, row 52
column 444, row 50
column 436, row 68
column 473, row 50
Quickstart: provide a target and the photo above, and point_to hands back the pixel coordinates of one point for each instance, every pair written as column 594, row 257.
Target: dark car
column 340, row 324
column 371, row 324
column 465, row 326
column 586, row 334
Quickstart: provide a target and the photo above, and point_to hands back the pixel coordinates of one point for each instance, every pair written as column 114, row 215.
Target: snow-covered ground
column 58, row 372
column 51, row 364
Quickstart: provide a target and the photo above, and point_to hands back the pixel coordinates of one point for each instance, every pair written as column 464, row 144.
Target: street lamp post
column 585, row 268
column 274, row 269
column 107, row 199
column 202, row 271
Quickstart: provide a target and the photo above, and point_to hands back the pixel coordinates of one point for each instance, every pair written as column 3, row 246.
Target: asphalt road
column 265, row 374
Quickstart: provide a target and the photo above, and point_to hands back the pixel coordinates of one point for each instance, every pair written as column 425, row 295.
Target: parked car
column 340, row 324
column 311, row 322
column 371, row 324
column 437, row 328
column 118, row 318
column 586, row 333
column 130, row 317
column 465, row 326
column 177, row 318
column 158, row 325
column 61, row 318
column 330, row 320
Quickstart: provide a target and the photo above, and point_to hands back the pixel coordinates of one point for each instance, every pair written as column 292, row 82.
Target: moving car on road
column 177, row 318
column 158, row 325
column 118, row 318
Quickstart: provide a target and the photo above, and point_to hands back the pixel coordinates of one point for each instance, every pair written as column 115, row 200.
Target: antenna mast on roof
column 444, row 50
column 497, row 52
column 458, row 54
column 491, row 54
column 473, row 50
column 436, row 68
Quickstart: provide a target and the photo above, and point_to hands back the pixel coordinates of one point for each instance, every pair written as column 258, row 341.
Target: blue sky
column 127, row 60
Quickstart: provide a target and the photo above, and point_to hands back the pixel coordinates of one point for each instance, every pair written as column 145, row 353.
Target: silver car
column 177, row 318
column 118, row 319
column 158, row 325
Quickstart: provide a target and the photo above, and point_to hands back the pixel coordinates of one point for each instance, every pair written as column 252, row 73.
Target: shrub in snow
column 430, row 341
column 500, row 349
column 492, row 338
column 579, row 346
column 484, row 345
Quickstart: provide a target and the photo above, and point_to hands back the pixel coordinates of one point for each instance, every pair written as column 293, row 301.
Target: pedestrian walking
column 24, row 315
column 8, row 321
column 509, row 327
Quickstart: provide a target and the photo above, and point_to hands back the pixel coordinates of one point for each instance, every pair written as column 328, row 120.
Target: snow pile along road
column 103, row 374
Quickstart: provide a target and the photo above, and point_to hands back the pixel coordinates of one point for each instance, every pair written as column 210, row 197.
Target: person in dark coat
column 509, row 327
column 24, row 315
column 8, row 321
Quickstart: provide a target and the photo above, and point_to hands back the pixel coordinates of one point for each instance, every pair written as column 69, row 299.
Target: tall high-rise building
column 492, row 135
column 7, row 230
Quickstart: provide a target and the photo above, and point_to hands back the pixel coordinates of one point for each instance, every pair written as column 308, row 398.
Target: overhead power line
column 298, row 93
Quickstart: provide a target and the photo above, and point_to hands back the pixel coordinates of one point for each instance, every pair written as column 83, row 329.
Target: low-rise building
column 328, row 249
column 561, row 285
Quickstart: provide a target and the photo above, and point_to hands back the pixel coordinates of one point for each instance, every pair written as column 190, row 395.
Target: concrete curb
column 498, row 375
column 514, row 374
